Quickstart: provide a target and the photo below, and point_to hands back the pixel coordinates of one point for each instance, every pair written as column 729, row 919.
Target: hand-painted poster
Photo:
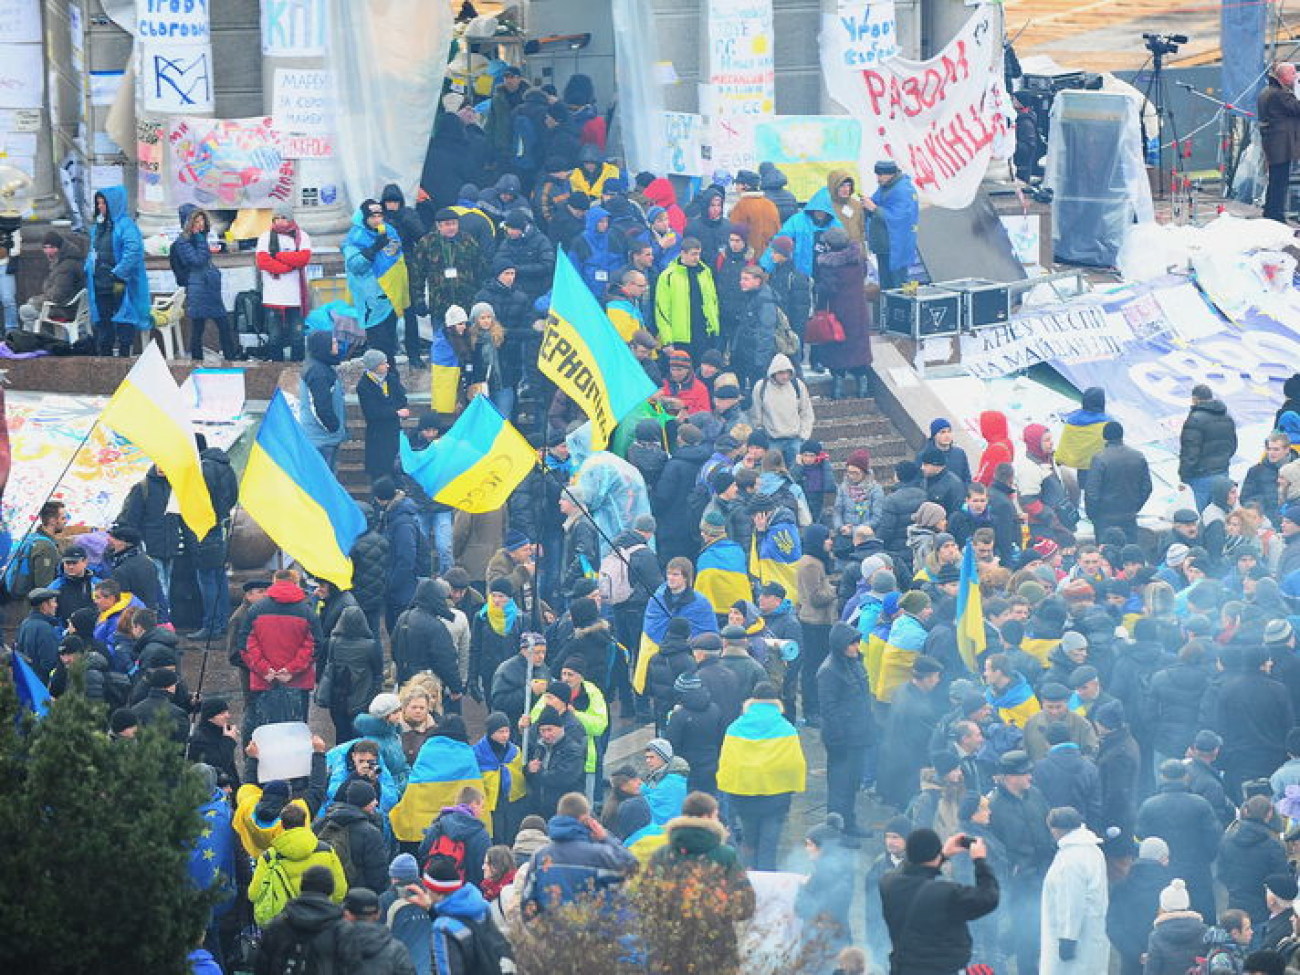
column 228, row 163
column 174, row 41
column 807, row 147
column 941, row 120
column 740, row 87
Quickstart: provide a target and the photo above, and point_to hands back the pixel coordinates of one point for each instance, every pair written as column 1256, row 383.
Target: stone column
column 298, row 86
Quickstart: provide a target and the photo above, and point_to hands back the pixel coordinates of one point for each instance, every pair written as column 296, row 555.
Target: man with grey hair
column 1278, row 112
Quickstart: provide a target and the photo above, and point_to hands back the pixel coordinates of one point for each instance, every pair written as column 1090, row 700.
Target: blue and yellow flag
column 698, row 612
column 761, row 754
column 970, row 612
column 290, row 492
column 584, row 355
column 776, row 557
column 443, row 767
column 1015, row 705
column 720, row 574
column 476, row 464
column 32, row 694
column 444, row 374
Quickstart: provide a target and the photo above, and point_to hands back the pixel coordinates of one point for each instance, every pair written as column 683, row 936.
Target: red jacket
column 694, row 394
column 283, row 634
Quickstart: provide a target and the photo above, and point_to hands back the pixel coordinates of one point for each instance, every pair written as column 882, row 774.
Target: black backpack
column 484, row 949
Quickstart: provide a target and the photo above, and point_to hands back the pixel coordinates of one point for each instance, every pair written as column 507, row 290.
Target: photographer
column 927, row 914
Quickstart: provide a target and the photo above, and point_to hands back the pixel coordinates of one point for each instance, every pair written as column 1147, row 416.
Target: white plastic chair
column 168, row 313
column 73, row 328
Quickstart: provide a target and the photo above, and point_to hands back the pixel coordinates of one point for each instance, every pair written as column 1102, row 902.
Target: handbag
column 824, row 327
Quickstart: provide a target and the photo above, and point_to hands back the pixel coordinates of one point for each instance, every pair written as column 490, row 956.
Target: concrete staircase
column 842, row 426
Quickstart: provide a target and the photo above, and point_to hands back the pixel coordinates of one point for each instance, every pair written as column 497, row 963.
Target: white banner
column 942, row 120
column 174, row 40
column 1066, row 334
column 740, row 89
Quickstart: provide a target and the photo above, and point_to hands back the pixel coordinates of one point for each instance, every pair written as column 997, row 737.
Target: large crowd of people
column 1110, row 766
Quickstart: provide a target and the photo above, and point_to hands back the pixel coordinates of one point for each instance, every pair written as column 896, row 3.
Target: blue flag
column 32, row 693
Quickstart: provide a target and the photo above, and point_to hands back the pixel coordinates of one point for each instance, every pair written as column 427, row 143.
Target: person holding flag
column 377, row 276
column 971, row 638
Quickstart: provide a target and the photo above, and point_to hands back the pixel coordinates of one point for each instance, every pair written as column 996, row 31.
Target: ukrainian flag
column 698, row 612
column 1040, row 648
column 392, row 275
column 443, row 767
column 761, row 754
column 444, row 369
column 289, row 491
column 149, row 410
column 1081, row 439
column 720, row 575
column 496, row 772
column 583, row 354
column 971, row 641
column 32, row 693
column 476, row 464
column 904, row 643
column 1017, row 704
column 776, row 557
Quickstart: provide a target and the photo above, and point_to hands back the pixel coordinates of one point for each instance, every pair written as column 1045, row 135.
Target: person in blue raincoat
column 891, row 230
column 805, row 229
column 595, row 253
column 117, row 284
column 378, row 279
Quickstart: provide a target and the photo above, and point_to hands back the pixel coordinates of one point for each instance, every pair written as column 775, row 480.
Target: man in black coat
column 719, row 679
column 1005, row 514
column 38, row 635
column 311, row 918
column 927, row 914
column 1066, row 778
column 1278, row 112
column 1206, row 444
column 1118, row 764
column 1134, row 902
column 1204, row 779
column 1118, row 484
column 1019, row 820
column 214, row 739
column 158, row 708
column 913, row 714
column 421, row 641
column 679, row 533
column 846, row 724
column 695, row 730
column 1188, row 824
column 1255, row 714
column 942, row 486
column 900, row 504
column 132, row 569
column 509, row 692
column 356, row 813
column 532, row 255
column 1249, row 853
column 1279, row 895
column 556, row 763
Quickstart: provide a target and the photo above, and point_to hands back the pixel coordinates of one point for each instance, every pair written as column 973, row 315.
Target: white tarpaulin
column 942, row 120
column 388, row 58
column 640, row 100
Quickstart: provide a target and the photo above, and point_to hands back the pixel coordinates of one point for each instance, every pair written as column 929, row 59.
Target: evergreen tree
column 96, row 836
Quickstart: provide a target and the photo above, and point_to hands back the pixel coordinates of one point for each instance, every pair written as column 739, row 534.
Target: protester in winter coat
column 1188, row 824
column 846, row 723
column 595, row 253
column 1248, row 854
column 755, row 326
column 686, row 301
column 352, row 673
column 321, row 411
column 1074, row 900
column 783, row 407
column 202, row 283
column 383, row 405
column 1177, row 935
column 448, row 266
column 283, row 253
column 1134, row 901
column 695, row 729
column 1081, row 437
column 891, row 233
column 292, row 852
column 367, row 850
column 840, row 280
column 1118, row 484
column 806, row 227
column 1206, row 444
column 281, row 636
column 422, row 642
column 64, row 278
column 116, row 283
column 378, row 278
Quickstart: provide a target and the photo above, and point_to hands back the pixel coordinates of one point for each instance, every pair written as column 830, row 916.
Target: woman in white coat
column 1074, row 900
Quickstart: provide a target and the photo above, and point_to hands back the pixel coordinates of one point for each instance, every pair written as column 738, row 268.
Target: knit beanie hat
column 1175, row 897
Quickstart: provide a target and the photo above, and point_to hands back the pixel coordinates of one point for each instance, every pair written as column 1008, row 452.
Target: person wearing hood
column 321, row 405
column 773, row 182
column 352, row 672
column 551, row 191
column 1177, row 937
column 709, row 226
column 1206, row 444
column 191, row 259
column 842, row 187
column 782, row 407
column 309, row 925
column 844, row 703
column 504, row 197
column 422, row 642
column 383, row 405
column 1042, row 492
column 998, row 450
column 1074, row 900
column 461, row 823
column 591, row 173
column 283, row 253
column 64, row 278
column 695, row 729
column 407, row 544
column 840, row 282
column 891, row 234
column 448, row 162
column 410, row 228
column 117, row 285
column 448, row 266
column 659, row 192
column 281, row 638
column 594, row 252
column 806, row 228
column 378, row 279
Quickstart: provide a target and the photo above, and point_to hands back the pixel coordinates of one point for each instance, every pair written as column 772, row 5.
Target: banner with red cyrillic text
column 941, row 120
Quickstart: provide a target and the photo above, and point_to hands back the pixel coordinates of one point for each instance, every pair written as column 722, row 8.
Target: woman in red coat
column 841, row 282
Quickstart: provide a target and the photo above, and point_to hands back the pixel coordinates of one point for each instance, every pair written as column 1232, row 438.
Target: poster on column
column 22, row 74
column 808, row 147
column 227, row 163
column 20, row 21
column 294, row 28
column 942, row 120
column 683, row 146
column 741, row 80
column 175, row 51
column 303, row 105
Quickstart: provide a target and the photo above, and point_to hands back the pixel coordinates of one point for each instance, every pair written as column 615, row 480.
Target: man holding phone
column 926, row 913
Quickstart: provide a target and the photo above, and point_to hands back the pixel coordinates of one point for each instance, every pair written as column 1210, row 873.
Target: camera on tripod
column 1162, row 44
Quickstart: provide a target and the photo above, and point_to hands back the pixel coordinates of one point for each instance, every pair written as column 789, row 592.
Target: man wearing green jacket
column 686, row 302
